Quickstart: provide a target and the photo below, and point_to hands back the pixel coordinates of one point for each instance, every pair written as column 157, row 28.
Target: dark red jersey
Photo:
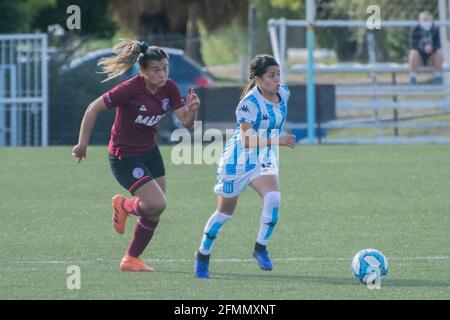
column 138, row 112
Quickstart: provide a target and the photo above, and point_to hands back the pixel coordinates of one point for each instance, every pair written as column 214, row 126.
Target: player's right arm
column 250, row 138
column 87, row 124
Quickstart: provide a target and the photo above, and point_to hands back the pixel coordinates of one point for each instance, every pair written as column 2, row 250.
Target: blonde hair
column 128, row 53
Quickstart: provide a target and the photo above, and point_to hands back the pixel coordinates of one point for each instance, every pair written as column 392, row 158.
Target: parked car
column 183, row 70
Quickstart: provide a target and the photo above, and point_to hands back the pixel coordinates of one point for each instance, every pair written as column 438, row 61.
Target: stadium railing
column 377, row 105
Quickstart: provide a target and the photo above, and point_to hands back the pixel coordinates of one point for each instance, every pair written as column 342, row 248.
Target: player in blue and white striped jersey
column 267, row 120
column 251, row 158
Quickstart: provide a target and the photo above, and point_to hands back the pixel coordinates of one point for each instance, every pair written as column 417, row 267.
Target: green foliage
column 95, row 21
column 224, row 46
column 266, row 10
column 292, row 5
column 349, row 43
column 16, row 16
column 29, row 15
column 392, row 43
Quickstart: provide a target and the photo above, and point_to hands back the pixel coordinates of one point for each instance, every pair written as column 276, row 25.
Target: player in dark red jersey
column 134, row 155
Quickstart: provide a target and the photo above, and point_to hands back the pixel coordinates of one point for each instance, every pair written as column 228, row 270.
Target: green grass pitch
column 336, row 200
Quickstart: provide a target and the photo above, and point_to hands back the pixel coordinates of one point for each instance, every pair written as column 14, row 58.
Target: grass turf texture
column 336, row 200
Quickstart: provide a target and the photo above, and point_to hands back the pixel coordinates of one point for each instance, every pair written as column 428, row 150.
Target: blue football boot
column 201, row 266
column 263, row 259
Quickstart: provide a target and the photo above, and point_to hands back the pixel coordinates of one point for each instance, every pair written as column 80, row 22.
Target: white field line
column 232, row 260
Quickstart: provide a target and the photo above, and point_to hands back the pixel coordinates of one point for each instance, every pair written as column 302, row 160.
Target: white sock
column 212, row 230
column 269, row 216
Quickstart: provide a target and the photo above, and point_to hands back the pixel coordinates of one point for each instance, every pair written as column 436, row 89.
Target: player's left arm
column 250, row 138
column 188, row 114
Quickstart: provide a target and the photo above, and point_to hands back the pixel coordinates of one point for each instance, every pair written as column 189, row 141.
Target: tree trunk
column 193, row 44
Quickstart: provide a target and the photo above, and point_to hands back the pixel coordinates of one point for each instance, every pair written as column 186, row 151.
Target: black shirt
column 420, row 37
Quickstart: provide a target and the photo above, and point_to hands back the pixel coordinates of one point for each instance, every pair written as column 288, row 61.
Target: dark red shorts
column 133, row 172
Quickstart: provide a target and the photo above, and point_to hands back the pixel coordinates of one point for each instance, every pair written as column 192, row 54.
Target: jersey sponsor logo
column 143, row 108
column 265, row 117
column 148, row 121
column 165, row 103
column 244, row 108
column 138, row 173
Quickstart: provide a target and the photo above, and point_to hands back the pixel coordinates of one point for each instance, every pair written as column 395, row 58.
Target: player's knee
column 155, row 207
column 414, row 56
column 439, row 57
column 272, row 199
column 159, row 206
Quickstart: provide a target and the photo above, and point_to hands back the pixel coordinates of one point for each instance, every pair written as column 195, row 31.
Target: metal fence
column 23, row 90
column 375, row 103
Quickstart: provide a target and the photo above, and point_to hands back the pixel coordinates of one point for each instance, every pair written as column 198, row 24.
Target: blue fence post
column 310, row 89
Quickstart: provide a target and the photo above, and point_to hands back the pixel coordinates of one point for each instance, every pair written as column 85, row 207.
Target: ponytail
column 128, row 52
column 248, row 87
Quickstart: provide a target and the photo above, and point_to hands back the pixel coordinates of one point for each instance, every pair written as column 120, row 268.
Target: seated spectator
column 425, row 45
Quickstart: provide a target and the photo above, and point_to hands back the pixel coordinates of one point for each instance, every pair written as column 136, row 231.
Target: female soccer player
column 250, row 158
column 134, row 156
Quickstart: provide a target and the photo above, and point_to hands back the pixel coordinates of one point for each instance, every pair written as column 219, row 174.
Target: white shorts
column 232, row 186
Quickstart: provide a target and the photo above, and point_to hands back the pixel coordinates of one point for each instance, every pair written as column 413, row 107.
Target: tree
column 17, row 16
column 350, row 43
column 175, row 22
column 95, row 22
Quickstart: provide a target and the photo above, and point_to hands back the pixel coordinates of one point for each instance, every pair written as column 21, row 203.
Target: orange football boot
column 119, row 217
column 134, row 264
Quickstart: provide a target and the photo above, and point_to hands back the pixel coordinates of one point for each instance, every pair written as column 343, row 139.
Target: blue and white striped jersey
column 267, row 119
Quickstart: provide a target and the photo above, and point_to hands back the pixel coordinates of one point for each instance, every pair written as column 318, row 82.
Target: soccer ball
column 368, row 262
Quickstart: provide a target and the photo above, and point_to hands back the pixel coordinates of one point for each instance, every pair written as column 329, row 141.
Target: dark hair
column 128, row 52
column 258, row 67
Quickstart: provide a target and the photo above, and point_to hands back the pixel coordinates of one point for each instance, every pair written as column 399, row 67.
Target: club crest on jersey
column 143, row 108
column 138, row 173
column 165, row 104
column 148, row 121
